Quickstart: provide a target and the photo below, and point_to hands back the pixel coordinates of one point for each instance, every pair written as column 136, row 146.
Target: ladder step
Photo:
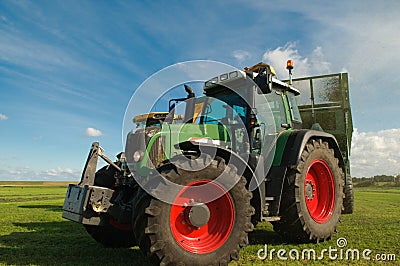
column 269, row 198
column 271, row 219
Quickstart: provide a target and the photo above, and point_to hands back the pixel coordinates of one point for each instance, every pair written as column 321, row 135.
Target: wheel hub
column 310, row 190
column 198, row 214
column 200, row 223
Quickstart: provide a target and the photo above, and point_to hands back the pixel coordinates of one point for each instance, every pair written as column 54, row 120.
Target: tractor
column 189, row 191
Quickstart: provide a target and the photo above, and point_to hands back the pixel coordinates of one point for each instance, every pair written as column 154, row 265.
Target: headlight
column 137, row 156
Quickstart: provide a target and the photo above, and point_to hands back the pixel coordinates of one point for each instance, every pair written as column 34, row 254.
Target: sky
column 69, row 68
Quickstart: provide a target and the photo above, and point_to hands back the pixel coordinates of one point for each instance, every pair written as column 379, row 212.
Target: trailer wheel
column 112, row 234
column 348, row 201
column 193, row 231
column 312, row 199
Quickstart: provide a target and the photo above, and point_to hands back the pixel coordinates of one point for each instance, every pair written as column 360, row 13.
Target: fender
column 291, row 157
column 298, row 140
column 249, row 173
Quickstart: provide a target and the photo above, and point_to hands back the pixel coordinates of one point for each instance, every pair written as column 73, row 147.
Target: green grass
column 32, row 183
column 32, row 231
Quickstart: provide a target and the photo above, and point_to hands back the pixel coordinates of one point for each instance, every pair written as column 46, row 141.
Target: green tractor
column 188, row 191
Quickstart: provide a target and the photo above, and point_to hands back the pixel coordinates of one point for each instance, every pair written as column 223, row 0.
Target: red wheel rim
column 215, row 231
column 124, row 227
column 117, row 225
column 319, row 191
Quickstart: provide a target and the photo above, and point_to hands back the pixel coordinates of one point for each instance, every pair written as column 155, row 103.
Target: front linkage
column 84, row 203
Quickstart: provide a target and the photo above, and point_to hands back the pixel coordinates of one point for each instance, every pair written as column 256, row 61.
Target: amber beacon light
column 289, row 66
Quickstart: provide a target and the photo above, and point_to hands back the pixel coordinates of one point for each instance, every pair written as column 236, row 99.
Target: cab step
column 271, row 219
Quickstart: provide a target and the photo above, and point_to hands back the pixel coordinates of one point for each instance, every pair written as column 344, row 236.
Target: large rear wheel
column 197, row 229
column 312, row 199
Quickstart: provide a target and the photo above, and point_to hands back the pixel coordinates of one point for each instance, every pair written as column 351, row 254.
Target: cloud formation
column 241, row 55
column 92, row 132
column 3, row 117
column 375, row 153
column 27, row 174
column 313, row 64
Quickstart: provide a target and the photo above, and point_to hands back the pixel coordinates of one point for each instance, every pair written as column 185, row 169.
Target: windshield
column 227, row 110
column 223, row 108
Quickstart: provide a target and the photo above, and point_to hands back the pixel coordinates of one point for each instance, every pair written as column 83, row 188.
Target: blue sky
column 69, row 68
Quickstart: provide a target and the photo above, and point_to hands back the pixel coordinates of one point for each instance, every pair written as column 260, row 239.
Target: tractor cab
column 263, row 111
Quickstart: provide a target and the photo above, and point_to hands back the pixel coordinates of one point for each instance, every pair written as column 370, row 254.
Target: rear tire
column 312, row 199
column 348, row 201
column 167, row 237
column 111, row 234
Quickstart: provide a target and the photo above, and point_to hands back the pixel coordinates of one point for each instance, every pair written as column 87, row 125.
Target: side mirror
column 189, row 91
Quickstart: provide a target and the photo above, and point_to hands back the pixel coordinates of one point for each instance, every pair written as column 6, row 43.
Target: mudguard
column 298, row 140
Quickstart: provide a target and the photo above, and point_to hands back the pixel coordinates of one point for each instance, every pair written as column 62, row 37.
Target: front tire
column 112, row 234
column 312, row 199
column 167, row 233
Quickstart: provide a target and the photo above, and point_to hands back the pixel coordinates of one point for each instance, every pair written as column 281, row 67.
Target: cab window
column 276, row 106
column 294, row 110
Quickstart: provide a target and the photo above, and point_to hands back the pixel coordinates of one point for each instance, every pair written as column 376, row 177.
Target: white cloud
column 25, row 173
column 313, row 64
column 37, row 138
column 241, row 55
column 3, row 117
column 22, row 50
column 58, row 172
column 362, row 40
column 375, row 153
column 92, row 132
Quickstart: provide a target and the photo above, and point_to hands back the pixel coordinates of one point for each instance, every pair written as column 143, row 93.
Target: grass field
column 32, row 232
